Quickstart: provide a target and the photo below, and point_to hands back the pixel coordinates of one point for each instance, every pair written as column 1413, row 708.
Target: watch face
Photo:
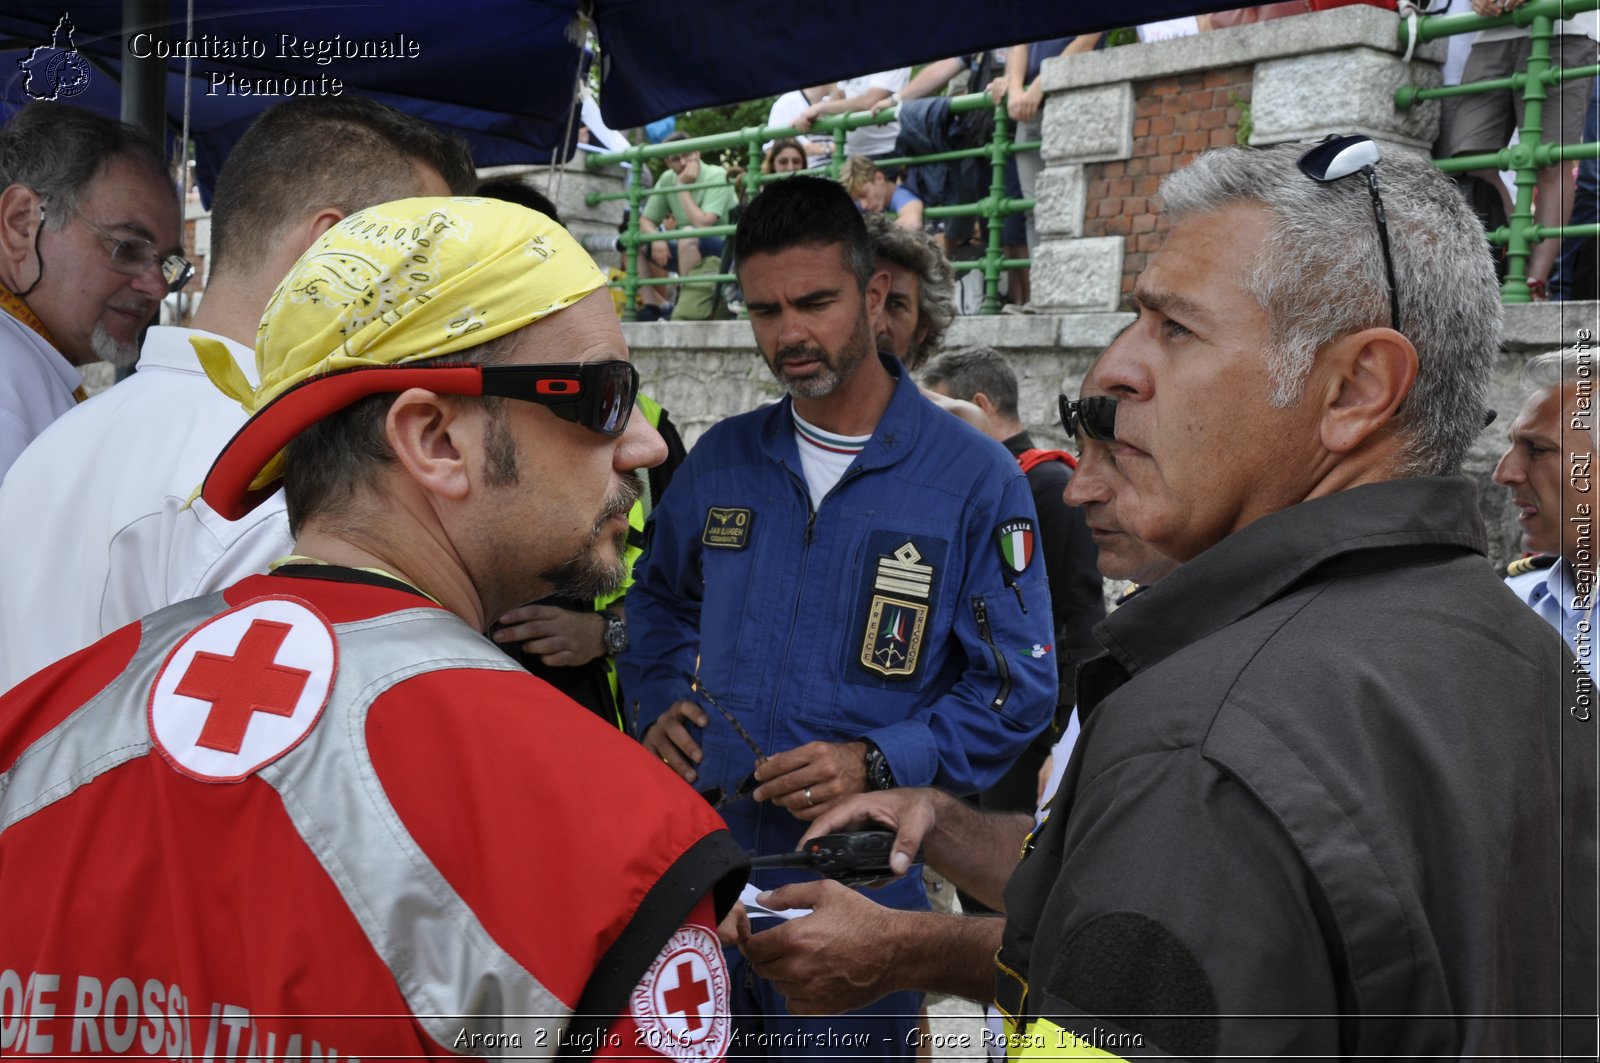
column 616, row 637
column 878, row 774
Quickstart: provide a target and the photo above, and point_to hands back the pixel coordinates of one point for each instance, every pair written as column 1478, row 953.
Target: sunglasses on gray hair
column 1338, row 157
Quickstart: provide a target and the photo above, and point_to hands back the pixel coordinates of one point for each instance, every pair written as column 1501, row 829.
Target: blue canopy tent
column 504, row 72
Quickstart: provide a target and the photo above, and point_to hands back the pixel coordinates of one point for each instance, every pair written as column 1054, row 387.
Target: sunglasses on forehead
column 1336, row 158
column 597, row 395
column 1096, row 417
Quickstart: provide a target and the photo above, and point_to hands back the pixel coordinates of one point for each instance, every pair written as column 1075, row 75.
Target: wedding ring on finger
column 809, row 799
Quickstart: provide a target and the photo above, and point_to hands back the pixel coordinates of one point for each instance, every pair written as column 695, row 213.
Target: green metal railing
column 1530, row 154
column 993, row 208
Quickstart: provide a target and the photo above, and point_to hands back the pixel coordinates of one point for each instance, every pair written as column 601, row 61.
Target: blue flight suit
column 909, row 608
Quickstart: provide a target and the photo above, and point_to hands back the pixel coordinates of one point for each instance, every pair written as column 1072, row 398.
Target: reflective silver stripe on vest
column 107, row 731
column 454, row 977
column 452, row 973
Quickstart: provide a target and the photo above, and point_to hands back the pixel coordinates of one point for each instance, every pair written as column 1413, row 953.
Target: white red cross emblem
column 681, row 1004
column 243, row 689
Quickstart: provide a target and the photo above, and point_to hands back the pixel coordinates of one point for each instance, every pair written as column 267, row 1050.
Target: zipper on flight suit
column 980, row 611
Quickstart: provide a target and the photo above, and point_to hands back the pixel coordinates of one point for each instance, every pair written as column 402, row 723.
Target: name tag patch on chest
column 727, row 528
column 897, row 616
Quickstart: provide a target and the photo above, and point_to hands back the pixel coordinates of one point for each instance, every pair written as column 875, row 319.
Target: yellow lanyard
column 302, row 559
column 12, row 304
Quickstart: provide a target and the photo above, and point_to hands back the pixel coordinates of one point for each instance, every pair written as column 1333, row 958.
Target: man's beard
column 110, row 349
column 832, row 369
column 584, row 575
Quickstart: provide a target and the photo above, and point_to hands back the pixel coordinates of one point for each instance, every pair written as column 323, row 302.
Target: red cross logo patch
column 243, row 689
column 681, row 1004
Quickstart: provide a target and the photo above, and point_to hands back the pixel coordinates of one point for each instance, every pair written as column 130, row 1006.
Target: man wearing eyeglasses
column 126, row 541
column 89, row 245
column 319, row 809
column 1335, row 790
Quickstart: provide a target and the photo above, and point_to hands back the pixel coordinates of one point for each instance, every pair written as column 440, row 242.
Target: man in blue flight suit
column 849, row 574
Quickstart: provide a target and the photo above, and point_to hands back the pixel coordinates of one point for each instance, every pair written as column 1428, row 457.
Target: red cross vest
column 305, row 817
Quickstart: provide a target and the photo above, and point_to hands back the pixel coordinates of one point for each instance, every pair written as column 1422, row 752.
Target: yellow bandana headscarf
column 416, row 278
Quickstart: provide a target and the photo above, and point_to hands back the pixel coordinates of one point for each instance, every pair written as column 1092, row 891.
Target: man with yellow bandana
column 319, row 810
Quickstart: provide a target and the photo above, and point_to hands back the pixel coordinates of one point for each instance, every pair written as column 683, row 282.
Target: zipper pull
column 811, row 524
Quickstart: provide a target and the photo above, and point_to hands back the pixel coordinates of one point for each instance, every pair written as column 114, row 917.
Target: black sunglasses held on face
column 1338, row 157
column 1096, row 416
column 597, row 395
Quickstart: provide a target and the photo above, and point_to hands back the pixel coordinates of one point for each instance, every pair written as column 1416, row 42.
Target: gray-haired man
column 1335, row 790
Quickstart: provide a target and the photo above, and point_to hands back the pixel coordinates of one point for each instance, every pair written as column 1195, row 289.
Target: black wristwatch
column 616, row 633
column 879, row 777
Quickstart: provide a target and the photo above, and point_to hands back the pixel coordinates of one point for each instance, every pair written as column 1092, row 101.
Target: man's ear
column 431, row 441
column 21, row 216
column 984, row 403
column 317, row 224
column 877, row 291
column 1367, row 376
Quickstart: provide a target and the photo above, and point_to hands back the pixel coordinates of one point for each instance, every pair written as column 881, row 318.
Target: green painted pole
column 630, row 245
column 992, row 210
column 1518, row 248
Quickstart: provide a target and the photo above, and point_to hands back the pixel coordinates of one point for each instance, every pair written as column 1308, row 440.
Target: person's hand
column 805, row 118
column 1025, row 108
column 883, row 105
column 560, row 638
column 735, row 927
column 908, row 811
column 670, row 740
column 834, row 960
column 691, row 171
column 1494, row 8
column 996, row 89
column 1045, row 771
column 658, row 253
column 807, row 778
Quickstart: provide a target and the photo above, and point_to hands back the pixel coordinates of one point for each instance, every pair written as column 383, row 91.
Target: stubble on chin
column 110, row 349
column 587, row 574
column 833, row 368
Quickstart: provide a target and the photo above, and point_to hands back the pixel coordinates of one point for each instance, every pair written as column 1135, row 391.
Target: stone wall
column 705, row 371
column 1174, row 119
column 1116, row 120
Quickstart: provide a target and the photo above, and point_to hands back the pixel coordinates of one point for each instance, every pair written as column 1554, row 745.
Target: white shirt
column 824, row 456
column 93, row 529
column 1553, row 594
column 874, row 139
column 785, row 109
column 36, row 386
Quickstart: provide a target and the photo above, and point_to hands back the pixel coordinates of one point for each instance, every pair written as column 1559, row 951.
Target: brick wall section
column 1174, row 119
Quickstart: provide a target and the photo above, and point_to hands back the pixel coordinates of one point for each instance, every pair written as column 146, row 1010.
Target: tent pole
column 144, row 85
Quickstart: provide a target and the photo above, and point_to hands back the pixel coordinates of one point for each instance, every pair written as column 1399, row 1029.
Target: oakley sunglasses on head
column 1095, row 416
column 1338, row 157
column 596, row 395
